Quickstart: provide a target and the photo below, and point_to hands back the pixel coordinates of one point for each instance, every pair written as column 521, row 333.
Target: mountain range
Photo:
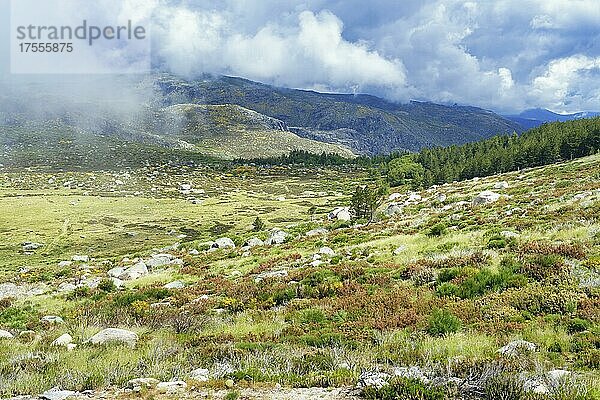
column 228, row 117
column 537, row 116
column 366, row 124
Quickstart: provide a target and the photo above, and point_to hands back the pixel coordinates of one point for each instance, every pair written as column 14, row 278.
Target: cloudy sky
column 506, row 55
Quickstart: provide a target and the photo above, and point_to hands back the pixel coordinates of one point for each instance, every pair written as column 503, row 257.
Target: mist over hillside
column 227, row 118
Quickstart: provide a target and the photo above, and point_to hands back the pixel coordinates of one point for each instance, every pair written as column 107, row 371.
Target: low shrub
column 505, row 387
column 577, row 325
column 437, row 230
column 442, row 322
column 402, row 388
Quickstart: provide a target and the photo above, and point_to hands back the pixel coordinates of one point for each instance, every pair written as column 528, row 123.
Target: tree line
column 546, row 144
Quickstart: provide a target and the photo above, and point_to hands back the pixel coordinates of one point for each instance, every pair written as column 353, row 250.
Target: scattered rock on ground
column 328, row 251
column 487, row 196
column 399, row 250
column 341, row 214
column 147, row 383
column 5, row 334
column 200, row 374
column 411, row 373
column 223, row 243
column 175, row 285
column 52, row 319
column 374, row 379
column 171, row 387
column 271, row 274
column 66, row 287
column 317, row 232
column 57, row 394
column 62, row 340
column 517, row 348
column 114, row 335
column 394, row 196
column 30, row 246
column 134, row 272
column 393, row 209
column 277, row 237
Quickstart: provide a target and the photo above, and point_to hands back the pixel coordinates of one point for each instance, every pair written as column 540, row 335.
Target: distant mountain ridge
column 537, row 116
column 227, row 118
column 364, row 123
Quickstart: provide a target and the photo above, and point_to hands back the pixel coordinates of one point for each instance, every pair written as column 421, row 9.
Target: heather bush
column 442, row 322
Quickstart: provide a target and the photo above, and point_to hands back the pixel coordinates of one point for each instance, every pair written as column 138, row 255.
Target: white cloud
column 506, row 55
column 567, row 79
column 310, row 53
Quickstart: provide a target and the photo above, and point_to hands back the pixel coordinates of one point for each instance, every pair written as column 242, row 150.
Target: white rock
column 501, row 185
column 30, row 246
column 487, row 196
column 200, row 375
column 341, row 214
column 175, row 285
column 534, row 385
column 411, row 373
column 373, row 379
column 93, row 283
column 194, row 252
column 71, row 346
column 344, row 215
column 63, row 264
column 66, row 287
column 271, row 274
column 57, row 394
column 441, row 197
column 413, row 198
column 159, row 260
column 147, row 383
column 79, row 258
column 224, row 243
column 116, row 272
column 253, row 242
column 316, row 263
column 557, row 377
column 52, row 319
column 399, row 250
column 5, row 334
column 62, row 340
column 134, row 272
column 393, row 209
column 509, row 234
column 328, row 251
column 277, row 237
column 517, row 348
column 117, row 282
column 317, row 232
column 171, row 387
column 114, row 335
column 394, row 196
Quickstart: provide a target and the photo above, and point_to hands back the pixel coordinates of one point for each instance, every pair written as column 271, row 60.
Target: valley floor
column 452, row 293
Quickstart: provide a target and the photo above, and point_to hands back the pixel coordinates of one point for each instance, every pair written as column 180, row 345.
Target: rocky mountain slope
column 366, row 124
column 226, row 118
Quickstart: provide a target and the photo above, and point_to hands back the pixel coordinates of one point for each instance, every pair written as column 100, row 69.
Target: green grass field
column 438, row 286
